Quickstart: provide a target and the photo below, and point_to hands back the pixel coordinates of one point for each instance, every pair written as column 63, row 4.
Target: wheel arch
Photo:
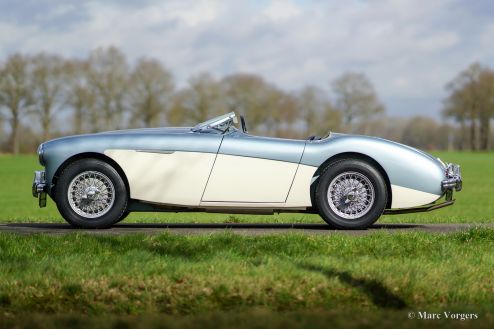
column 351, row 155
column 90, row 155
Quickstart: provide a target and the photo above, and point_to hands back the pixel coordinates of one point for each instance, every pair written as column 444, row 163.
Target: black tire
column 124, row 215
column 112, row 214
column 363, row 169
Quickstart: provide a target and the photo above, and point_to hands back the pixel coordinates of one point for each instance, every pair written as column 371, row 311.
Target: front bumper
column 39, row 188
column 452, row 182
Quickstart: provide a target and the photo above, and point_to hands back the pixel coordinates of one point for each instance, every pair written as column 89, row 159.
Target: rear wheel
column 91, row 194
column 351, row 194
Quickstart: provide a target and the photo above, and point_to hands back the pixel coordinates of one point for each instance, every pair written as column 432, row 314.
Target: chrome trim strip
column 156, row 151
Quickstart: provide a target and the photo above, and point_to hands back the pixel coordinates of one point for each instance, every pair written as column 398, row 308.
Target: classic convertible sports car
column 97, row 179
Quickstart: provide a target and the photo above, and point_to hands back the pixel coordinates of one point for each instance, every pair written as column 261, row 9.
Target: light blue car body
column 402, row 165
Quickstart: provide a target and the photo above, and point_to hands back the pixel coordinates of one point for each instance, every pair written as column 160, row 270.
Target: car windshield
column 221, row 123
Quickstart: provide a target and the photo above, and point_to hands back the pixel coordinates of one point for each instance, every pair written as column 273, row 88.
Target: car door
column 168, row 168
column 250, row 169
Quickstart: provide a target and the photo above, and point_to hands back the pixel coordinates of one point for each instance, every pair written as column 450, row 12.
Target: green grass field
column 276, row 275
column 224, row 280
column 474, row 203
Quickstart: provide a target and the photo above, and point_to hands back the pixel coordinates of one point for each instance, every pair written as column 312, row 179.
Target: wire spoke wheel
column 350, row 195
column 91, row 194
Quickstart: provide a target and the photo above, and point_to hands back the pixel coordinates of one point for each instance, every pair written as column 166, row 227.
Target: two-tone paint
column 192, row 168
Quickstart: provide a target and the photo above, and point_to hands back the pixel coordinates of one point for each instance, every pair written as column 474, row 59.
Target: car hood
column 163, row 130
column 127, row 132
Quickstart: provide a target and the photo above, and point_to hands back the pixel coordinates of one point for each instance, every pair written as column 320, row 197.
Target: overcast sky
column 409, row 49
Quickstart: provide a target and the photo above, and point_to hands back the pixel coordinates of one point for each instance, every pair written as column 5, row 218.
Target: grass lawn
column 309, row 277
column 474, row 204
column 225, row 280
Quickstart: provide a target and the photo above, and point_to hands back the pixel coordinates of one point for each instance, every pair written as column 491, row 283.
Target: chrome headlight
column 453, row 180
column 452, row 170
column 41, row 152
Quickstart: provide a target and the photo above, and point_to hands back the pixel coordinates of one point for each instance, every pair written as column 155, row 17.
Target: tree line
column 43, row 96
column 471, row 104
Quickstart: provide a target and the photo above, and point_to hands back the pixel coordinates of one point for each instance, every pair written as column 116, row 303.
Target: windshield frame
column 226, row 120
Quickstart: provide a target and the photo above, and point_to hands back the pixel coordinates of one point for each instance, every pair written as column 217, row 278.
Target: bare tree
column 109, row 75
column 486, row 113
column 331, row 120
column 268, row 108
column 462, row 102
column 357, row 99
column 420, row 132
column 310, row 108
column 284, row 109
column 15, row 94
column 2, row 132
column 316, row 111
column 47, row 89
column 80, row 95
column 471, row 100
column 100, row 89
column 244, row 93
column 454, row 107
column 197, row 102
column 151, row 89
column 389, row 128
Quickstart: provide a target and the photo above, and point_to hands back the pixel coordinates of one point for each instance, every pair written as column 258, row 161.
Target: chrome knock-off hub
column 350, row 195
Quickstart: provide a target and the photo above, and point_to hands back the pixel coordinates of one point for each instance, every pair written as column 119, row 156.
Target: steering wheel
column 242, row 122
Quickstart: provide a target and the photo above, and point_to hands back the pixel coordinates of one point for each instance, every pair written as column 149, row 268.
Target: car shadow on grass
column 378, row 293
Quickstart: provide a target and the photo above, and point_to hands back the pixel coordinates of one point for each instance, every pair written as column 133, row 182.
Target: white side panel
column 243, row 179
column 406, row 197
column 299, row 195
column 177, row 178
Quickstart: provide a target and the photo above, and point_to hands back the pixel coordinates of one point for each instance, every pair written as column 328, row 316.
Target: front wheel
column 351, row 194
column 91, row 194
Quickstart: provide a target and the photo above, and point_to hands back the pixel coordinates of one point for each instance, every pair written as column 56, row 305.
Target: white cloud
column 409, row 49
column 282, row 10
